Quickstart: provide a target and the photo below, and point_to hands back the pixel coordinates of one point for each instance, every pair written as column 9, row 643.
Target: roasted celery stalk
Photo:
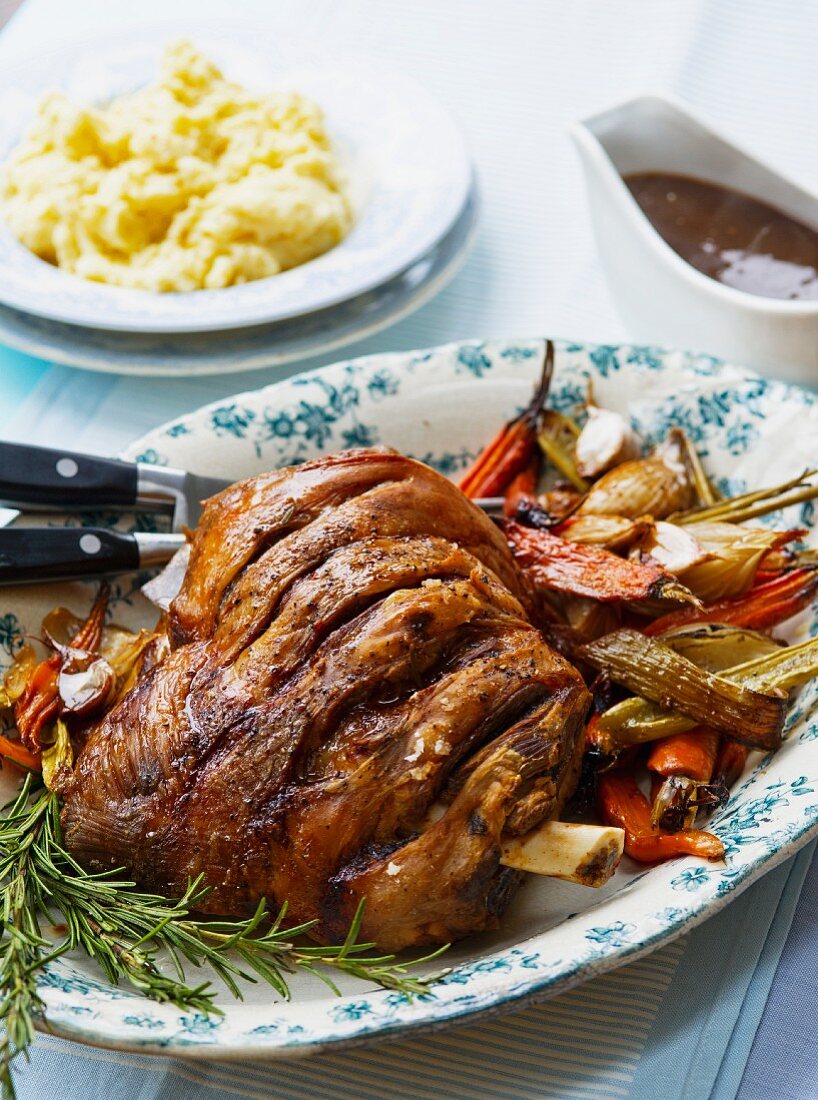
column 638, row 720
column 657, row 673
column 716, row 646
column 760, row 502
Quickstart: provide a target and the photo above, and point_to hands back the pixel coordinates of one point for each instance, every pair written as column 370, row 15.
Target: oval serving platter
column 441, row 405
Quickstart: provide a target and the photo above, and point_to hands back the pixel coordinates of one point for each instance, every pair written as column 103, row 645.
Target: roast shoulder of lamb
column 355, row 705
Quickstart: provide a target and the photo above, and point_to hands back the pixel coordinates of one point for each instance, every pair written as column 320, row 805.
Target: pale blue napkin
column 784, row 1056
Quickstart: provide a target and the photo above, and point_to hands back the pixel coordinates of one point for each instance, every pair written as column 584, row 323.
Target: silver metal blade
column 198, row 489
column 176, row 492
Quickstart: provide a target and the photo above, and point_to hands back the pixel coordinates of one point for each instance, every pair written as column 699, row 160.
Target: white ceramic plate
column 250, row 348
column 407, row 164
column 441, row 405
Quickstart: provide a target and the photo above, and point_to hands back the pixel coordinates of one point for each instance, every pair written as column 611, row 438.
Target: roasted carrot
column 555, row 563
column 692, row 754
column 510, row 451
column 592, row 734
column 523, row 488
column 17, row 753
column 765, row 605
column 40, row 702
column 730, row 762
column 621, row 803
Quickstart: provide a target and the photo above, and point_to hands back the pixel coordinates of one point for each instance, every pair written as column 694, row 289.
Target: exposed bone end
column 587, row 854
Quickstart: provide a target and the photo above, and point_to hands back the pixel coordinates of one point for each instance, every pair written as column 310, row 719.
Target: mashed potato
column 192, row 182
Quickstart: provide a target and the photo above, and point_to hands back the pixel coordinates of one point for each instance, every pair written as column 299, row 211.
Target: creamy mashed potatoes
column 192, row 182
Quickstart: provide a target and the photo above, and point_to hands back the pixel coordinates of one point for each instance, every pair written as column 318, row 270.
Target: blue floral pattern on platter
column 441, row 405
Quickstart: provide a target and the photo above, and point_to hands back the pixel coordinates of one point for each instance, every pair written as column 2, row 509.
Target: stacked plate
column 410, row 180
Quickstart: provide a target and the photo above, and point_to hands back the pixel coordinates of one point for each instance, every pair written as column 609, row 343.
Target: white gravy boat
column 661, row 297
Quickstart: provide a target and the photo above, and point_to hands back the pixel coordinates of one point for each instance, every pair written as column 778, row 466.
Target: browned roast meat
column 350, row 647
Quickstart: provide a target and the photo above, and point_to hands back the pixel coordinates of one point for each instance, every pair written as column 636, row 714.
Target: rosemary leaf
column 125, row 929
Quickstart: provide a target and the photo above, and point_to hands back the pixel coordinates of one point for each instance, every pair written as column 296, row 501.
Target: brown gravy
column 738, row 240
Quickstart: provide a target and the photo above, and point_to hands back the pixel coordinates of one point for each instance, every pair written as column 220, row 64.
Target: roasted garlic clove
column 674, row 548
column 605, row 441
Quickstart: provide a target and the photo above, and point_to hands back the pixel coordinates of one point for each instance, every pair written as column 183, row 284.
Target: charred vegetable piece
column 622, row 803
column 89, row 634
column 782, row 558
column 765, row 605
column 654, row 671
column 40, row 703
column 679, row 798
column 606, row 440
column 558, row 437
column 17, row 753
column 691, row 754
column 553, row 562
column 521, row 493
column 560, row 502
column 636, row 720
column 511, row 449
column 657, row 485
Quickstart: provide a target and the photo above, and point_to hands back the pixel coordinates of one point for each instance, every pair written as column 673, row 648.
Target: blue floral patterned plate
column 441, row 405
column 406, row 163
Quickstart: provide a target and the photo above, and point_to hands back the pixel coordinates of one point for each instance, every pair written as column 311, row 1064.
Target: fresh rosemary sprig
column 124, row 929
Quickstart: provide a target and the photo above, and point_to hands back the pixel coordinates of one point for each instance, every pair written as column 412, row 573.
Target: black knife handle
column 40, row 477
column 57, row 553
